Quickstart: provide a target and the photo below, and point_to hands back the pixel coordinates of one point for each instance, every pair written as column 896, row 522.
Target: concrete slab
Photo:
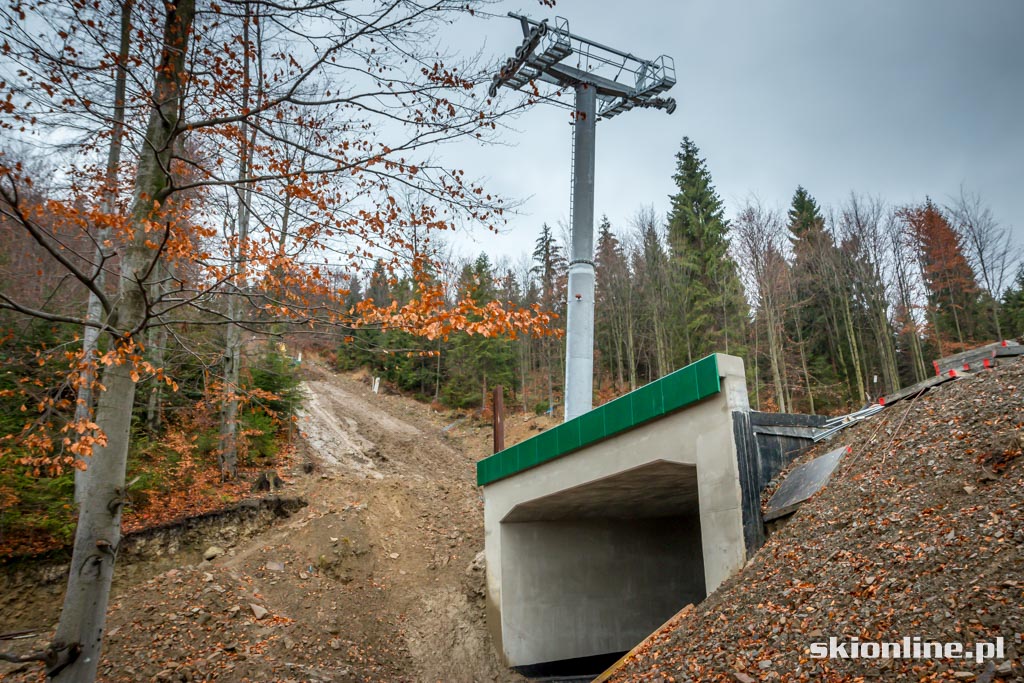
column 658, row 489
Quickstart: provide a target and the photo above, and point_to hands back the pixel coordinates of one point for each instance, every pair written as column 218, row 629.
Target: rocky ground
column 919, row 533
column 377, row 579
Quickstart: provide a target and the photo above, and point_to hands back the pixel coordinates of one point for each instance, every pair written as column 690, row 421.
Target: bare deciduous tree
column 988, row 245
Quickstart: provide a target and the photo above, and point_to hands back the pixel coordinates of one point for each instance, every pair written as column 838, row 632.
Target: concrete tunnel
column 599, row 530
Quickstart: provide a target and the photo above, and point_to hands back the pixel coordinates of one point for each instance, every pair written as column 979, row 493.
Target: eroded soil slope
column 374, row 581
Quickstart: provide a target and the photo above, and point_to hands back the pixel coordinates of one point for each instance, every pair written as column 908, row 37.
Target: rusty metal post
column 498, row 408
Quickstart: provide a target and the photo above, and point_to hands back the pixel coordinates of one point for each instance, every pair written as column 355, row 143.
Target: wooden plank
column 915, row 389
column 1008, row 351
column 614, row 668
column 967, row 360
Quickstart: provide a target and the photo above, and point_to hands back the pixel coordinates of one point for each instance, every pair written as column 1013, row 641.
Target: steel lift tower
column 607, row 83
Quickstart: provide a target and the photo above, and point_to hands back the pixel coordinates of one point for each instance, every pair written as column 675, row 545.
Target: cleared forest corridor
column 374, row 581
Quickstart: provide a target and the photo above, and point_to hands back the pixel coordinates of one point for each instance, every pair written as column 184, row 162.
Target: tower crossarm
column 621, row 80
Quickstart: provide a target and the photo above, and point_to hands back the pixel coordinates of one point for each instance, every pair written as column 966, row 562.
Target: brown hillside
column 920, row 533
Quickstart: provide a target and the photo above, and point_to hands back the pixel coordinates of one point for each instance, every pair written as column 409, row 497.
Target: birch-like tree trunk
column 233, row 341
column 156, row 346
column 91, row 334
column 75, row 651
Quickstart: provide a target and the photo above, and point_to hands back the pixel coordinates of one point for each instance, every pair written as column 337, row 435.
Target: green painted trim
column 672, row 392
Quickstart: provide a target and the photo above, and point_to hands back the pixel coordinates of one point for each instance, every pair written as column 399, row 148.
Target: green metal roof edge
column 673, row 392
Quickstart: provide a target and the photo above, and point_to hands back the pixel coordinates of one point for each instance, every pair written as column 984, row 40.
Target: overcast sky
column 899, row 99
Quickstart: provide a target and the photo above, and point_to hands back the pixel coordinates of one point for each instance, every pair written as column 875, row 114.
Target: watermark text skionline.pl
column 910, row 647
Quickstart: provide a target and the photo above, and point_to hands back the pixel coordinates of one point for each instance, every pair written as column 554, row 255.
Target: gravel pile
column 919, row 533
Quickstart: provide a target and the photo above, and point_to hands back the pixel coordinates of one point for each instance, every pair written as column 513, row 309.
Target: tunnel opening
column 592, row 570
column 579, row 670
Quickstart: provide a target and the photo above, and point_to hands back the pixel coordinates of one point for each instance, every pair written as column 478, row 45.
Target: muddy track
column 374, row 581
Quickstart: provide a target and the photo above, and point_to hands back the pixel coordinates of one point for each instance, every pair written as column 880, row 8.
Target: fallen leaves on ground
column 919, row 533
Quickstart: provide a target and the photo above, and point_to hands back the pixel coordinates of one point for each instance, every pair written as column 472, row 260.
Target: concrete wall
column 596, row 586
column 700, row 437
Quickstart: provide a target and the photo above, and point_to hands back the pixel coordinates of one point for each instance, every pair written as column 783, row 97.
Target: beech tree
column 206, row 83
column 988, row 246
column 759, row 233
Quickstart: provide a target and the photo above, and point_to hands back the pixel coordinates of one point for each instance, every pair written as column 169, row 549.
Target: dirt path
column 374, row 581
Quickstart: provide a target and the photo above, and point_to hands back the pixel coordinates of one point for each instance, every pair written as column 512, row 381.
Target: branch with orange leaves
column 430, row 316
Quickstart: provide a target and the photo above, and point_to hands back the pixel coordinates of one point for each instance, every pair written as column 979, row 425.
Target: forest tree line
column 177, row 182
column 831, row 307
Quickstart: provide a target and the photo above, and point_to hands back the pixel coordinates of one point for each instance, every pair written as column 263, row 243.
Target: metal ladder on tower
column 572, row 175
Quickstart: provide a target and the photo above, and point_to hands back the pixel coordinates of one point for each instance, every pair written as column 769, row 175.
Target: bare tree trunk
column 551, row 381
column 851, row 335
column 233, row 342
column 757, row 367
column 524, row 360
column 775, row 354
column 898, row 248
column 437, row 373
column 803, row 360
column 631, row 354
column 156, row 345
column 989, row 246
column 83, row 615
column 90, row 335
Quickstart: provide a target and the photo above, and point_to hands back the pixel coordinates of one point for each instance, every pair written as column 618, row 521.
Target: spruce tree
column 712, row 311
column 809, row 321
column 551, row 270
column 1012, row 310
column 804, row 216
column 611, row 301
column 475, row 363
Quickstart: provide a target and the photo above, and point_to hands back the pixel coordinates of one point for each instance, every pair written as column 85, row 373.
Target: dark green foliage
column 712, row 309
column 459, row 371
column 847, row 320
column 404, row 360
column 816, row 327
column 1012, row 313
column 43, row 504
column 550, row 267
column 613, row 300
column 264, row 417
column 550, row 272
column 153, row 468
column 260, row 431
column 30, row 503
column 278, row 374
column 804, row 215
column 475, row 363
